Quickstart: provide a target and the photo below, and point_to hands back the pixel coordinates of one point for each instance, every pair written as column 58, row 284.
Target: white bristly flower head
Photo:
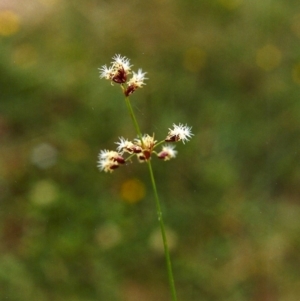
column 106, row 72
column 147, row 144
column 138, row 78
column 118, row 71
column 104, row 155
column 121, row 62
column 122, row 145
column 179, row 133
column 168, row 152
column 137, row 81
column 107, row 165
column 109, row 160
column 127, row 146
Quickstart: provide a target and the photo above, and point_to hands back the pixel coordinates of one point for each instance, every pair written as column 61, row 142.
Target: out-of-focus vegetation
column 230, row 69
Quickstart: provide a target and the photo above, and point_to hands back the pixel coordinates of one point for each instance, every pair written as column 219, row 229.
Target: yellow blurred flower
column 9, row 23
column 268, row 57
column 132, row 191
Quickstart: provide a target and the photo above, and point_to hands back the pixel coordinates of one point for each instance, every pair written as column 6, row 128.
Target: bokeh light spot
column 156, row 243
column 296, row 73
column 9, row 23
column 132, row 191
column 268, row 57
column 44, row 155
column 194, row 59
column 44, row 192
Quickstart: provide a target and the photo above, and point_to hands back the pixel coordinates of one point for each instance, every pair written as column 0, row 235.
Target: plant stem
column 158, row 207
column 131, row 113
column 163, row 234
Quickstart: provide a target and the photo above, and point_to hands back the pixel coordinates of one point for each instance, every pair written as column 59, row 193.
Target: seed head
column 179, row 133
column 168, row 152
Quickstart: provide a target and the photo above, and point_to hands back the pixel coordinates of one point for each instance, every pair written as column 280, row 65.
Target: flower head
column 106, row 72
column 137, row 81
column 127, row 146
column 147, row 144
column 109, row 160
column 168, row 152
column 121, row 62
column 118, row 71
column 179, row 133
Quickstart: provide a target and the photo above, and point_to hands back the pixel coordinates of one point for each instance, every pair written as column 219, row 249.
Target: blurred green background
column 228, row 68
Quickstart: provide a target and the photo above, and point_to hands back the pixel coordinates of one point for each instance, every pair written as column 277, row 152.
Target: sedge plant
column 144, row 146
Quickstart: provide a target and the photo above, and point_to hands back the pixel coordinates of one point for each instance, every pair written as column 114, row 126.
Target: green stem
column 131, row 113
column 159, row 143
column 158, row 207
column 163, row 234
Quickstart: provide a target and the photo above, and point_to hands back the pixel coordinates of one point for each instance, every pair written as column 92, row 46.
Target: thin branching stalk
column 135, row 123
column 158, row 207
column 144, row 146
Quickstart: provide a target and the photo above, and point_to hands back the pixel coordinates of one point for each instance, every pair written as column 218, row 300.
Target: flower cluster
column 118, row 73
column 143, row 147
column 109, row 160
column 179, row 133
